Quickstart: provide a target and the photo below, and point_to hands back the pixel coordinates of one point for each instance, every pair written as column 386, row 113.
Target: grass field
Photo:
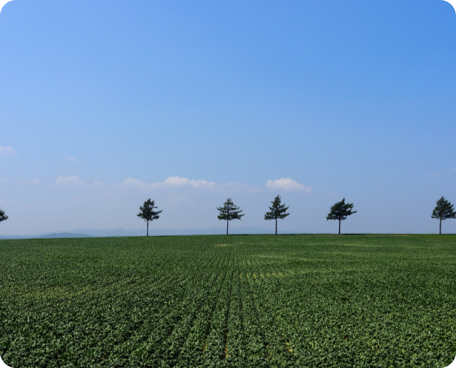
column 237, row 301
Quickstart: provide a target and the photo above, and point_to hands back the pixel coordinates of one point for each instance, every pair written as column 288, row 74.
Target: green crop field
column 236, row 301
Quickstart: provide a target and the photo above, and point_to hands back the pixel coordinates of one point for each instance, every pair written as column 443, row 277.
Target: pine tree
column 147, row 212
column 3, row 216
column 229, row 212
column 277, row 211
column 340, row 211
column 443, row 210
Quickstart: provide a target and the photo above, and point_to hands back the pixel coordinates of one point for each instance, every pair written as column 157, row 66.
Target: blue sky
column 105, row 104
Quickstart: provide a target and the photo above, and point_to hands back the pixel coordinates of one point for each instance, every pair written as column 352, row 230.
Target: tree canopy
column 340, row 211
column 443, row 210
column 229, row 212
column 3, row 216
column 147, row 212
column 277, row 211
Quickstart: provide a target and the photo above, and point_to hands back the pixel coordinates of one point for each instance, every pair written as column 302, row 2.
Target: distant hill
column 65, row 235
column 90, row 233
column 161, row 232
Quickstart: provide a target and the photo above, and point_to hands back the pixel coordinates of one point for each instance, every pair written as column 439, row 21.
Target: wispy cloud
column 72, row 159
column 135, row 183
column 175, row 181
column 181, row 182
column 284, row 184
column 287, row 185
column 172, row 181
column 7, row 151
column 69, row 180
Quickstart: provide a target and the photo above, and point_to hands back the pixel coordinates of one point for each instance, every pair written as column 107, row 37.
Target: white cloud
column 175, row 181
column 98, row 183
column 288, row 185
column 172, row 181
column 72, row 159
column 35, row 181
column 7, row 151
column 68, row 180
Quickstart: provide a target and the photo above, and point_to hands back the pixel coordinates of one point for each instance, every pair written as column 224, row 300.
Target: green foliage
column 238, row 301
column 340, row 211
column 443, row 210
column 3, row 216
column 147, row 212
column 277, row 211
column 229, row 212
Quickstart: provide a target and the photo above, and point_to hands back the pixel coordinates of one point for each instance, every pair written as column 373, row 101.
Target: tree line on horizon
column 443, row 210
column 340, row 211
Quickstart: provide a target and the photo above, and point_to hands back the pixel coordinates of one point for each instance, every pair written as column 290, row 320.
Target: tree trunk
column 227, row 227
column 147, row 228
column 276, row 226
column 339, row 227
column 440, row 227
